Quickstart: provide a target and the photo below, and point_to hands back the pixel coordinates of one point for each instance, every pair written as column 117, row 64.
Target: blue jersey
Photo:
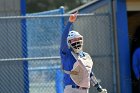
column 136, row 63
column 67, row 58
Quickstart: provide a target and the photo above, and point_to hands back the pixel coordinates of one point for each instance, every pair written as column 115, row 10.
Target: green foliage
column 45, row 5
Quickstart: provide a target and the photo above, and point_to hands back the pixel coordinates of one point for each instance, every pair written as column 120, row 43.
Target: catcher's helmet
column 75, row 41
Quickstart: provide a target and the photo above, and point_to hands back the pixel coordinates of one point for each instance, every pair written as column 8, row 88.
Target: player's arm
column 135, row 65
column 63, row 45
column 96, row 84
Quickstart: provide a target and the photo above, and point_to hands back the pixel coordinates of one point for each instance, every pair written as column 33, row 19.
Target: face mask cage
column 76, row 43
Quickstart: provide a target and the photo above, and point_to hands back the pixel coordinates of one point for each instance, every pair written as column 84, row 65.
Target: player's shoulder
column 86, row 54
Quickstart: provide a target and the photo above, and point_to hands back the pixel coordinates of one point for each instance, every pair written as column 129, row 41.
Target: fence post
column 59, row 81
column 24, row 46
column 59, row 74
column 62, row 18
column 123, row 47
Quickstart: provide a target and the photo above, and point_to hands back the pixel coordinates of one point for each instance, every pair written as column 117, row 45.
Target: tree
column 45, row 5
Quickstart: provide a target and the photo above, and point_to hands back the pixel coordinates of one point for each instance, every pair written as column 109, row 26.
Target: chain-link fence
column 97, row 30
column 29, row 57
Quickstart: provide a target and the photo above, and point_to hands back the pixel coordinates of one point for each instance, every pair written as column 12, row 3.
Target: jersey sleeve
column 136, row 64
column 64, row 46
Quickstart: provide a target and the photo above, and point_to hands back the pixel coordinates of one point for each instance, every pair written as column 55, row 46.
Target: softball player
column 76, row 64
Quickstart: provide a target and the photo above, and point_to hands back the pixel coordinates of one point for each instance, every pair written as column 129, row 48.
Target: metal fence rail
column 44, row 16
column 29, row 59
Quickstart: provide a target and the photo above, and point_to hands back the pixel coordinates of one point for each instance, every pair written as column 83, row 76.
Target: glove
column 103, row 91
column 73, row 17
column 100, row 89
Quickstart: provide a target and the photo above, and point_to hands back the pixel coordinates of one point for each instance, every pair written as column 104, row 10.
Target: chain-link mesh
column 43, row 76
column 38, row 38
column 43, row 41
column 99, row 43
column 30, row 61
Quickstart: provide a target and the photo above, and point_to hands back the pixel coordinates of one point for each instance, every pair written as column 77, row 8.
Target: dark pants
column 139, row 85
column 136, row 86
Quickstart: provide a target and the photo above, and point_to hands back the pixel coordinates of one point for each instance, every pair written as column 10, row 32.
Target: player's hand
column 74, row 72
column 73, row 17
column 103, row 91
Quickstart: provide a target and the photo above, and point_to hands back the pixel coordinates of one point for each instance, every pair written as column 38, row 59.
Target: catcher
column 76, row 64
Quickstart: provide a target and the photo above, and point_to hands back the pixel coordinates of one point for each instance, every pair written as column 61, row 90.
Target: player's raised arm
column 72, row 19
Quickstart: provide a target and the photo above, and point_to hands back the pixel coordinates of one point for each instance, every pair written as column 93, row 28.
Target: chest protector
column 83, row 66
